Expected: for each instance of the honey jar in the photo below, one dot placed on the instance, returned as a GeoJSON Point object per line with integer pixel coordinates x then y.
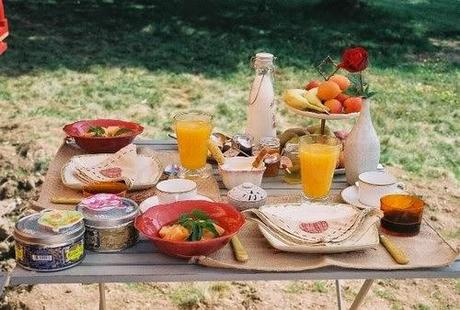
{"type": "Point", "coordinates": [272, 160]}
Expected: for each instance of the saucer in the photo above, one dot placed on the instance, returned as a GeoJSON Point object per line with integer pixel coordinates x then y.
{"type": "Point", "coordinates": [351, 196]}
{"type": "Point", "coordinates": [153, 201]}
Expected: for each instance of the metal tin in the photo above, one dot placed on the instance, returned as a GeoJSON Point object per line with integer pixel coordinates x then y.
{"type": "Point", "coordinates": [40, 249]}
{"type": "Point", "coordinates": [111, 230]}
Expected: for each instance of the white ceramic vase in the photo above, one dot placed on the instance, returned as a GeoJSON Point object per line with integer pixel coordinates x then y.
{"type": "Point", "coordinates": [362, 146]}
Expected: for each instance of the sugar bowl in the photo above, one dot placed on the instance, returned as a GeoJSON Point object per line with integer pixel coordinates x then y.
{"type": "Point", "coordinates": [246, 196]}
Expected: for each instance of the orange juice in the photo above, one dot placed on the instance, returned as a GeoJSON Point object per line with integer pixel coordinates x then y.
{"type": "Point", "coordinates": [192, 140]}
{"type": "Point", "coordinates": [317, 162]}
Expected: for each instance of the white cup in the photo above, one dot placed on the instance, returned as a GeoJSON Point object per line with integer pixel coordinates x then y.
{"type": "Point", "coordinates": [373, 185]}
{"type": "Point", "coordinates": [175, 190]}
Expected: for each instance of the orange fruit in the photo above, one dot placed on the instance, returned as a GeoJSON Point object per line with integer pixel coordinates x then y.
{"type": "Point", "coordinates": [328, 90]}
{"type": "Point", "coordinates": [341, 80]}
{"type": "Point", "coordinates": [353, 104]}
{"type": "Point", "coordinates": [334, 106]}
{"type": "Point", "coordinates": [312, 84]}
{"type": "Point", "coordinates": [342, 97]}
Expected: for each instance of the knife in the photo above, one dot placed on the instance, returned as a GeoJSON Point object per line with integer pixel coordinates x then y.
{"type": "Point", "coordinates": [238, 250]}
{"type": "Point", "coordinates": [398, 255]}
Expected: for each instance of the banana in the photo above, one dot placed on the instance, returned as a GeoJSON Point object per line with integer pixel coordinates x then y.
{"type": "Point", "coordinates": [295, 98]}
{"type": "Point", "coordinates": [310, 95]}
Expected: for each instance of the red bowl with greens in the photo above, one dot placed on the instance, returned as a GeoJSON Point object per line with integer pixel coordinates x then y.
{"type": "Point", "coordinates": [103, 135]}
{"type": "Point", "coordinates": [223, 214]}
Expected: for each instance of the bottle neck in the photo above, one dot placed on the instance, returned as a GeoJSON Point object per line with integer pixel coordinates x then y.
{"type": "Point", "coordinates": [263, 65]}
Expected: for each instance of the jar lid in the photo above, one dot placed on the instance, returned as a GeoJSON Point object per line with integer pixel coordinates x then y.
{"type": "Point", "coordinates": [263, 60]}
{"type": "Point", "coordinates": [264, 56]}
{"type": "Point", "coordinates": [109, 217]}
{"type": "Point", "coordinates": [247, 192]}
{"type": "Point", "coordinates": [101, 202]}
{"type": "Point", "coordinates": [291, 147]}
{"type": "Point", "coordinates": [377, 177]}
{"type": "Point", "coordinates": [243, 140]}
{"type": "Point", "coordinates": [28, 229]}
{"type": "Point", "coordinates": [273, 142]}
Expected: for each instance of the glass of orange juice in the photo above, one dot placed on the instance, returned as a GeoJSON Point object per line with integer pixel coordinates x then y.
{"type": "Point", "coordinates": [193, 130]}
{"type": "Point", "coordinates": [318, 156]}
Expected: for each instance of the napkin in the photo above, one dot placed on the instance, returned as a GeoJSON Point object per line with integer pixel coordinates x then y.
{"type": "Point", "coordinates": [120, 166]}
{"type": "Point", "coordinates": [311, 223]}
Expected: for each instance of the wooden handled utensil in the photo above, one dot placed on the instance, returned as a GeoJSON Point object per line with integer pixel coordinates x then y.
{"type": "Point", "coordinates": [240, 252]}
{"type": "Point", "coordinates": [398, 255]}
{"type": "Point", "coordinates": [65, 200]}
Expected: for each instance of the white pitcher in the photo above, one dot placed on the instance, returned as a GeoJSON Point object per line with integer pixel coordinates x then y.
{"type": "Point", "coordinates": [362, 146]}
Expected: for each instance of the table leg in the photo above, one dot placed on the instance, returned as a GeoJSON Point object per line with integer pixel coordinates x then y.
{"type": "Point", "coordinates": [5, 283]}
{"type": "Point", "coordinates": [338, 290]}
{"type": "Point", "coordinates": [323, 126]}
{"type": "Point", "coordinates": [361, 294]}
{"type": "Point", "coordinates": [102, 304]}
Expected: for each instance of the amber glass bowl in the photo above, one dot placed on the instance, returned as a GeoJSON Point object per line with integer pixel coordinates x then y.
{"type": "Point", "coordinates": [402, 214]}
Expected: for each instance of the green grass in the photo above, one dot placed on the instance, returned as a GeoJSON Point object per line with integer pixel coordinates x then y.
{"type": "Point", "coordinates": [221, 288]}
{"type": "Point", "coordinates": [384, 294]}
{"type": "Point", "coordinates": [422, 307]}
{"type": "Point", "coordinates": [319, 287]}
{"type": "Point", "coordinates": [457, 287]}
{"type": "Point", "coordinates": [295, 287]}
{"type": "Point", "coordinates": [187, 296]}
{"type": "Point", "coordinates": [145, 60]}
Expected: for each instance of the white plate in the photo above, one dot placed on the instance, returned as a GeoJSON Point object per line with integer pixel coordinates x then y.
{"type": "Point", "coordinates": [153, 201]}
{"type": "Point", "coordinates": [351, 196]}
{"type": "Point", "coordinates": [148, 171]}
{"type": "Point", "coordinates": [369, 239]}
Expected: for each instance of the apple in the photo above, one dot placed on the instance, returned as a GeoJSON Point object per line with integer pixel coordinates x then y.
{"type": "Point", "coordinates": [352, 104]}
{"type": "Point", "coordinates": [312, 84]}
{"type": "Point", "coordinates": [334, 106]}
{"type": "Point", "coordinates": [342, 97]}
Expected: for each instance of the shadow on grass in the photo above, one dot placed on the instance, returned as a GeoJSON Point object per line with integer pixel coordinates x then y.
{"type": "Point", "coordinates": [212, 37]}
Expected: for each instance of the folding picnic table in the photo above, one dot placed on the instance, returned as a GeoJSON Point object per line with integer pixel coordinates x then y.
{"type": "Point", "coordinates": [143, 263]}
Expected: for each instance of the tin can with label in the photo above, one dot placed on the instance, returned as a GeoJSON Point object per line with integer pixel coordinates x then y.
{"type": "Point", "coordinates": [109, 224]}
{"type": "Point", "coordinates": [41, 249]}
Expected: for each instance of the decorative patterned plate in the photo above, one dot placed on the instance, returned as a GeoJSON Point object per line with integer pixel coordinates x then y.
{"type": "Point", "coordinates": [368, 239]}
{"type": "Point", "coordinates": [317, 218]}
{"type": "Point", "coordinates": [148, 171]}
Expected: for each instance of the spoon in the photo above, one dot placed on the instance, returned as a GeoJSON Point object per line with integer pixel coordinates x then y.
{"type": "Point", "coordinates": [171, 171]}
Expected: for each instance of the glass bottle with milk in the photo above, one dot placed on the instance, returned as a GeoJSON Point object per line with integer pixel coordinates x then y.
{"type": "Point", "coordinates": [261, 108]}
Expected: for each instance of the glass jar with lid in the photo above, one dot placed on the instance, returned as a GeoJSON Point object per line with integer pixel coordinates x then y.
{"type": "Point", "coordinates": [292, 175]}
{"type": "Point", "coordinates": [273, 157]}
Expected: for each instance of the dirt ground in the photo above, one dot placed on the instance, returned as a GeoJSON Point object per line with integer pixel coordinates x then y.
{"type": "Point", "coordinates": [23, 163]}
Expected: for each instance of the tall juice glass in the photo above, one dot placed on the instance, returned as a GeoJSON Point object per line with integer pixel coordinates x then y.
{"type": "Point", "coordinates": [318, 156]}
{"type": "Point", "coordinates": [193, 130]}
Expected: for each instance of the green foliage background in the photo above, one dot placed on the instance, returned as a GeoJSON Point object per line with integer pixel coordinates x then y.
{"type": "Point", "coordinates": [145, 60]}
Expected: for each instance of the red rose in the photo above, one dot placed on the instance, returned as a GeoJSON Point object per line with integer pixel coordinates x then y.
{"type": "Point", "coordinates": [354, 59]}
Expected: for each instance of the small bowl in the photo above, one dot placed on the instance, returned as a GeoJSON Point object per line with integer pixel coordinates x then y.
{"type": "Point", "coordinates": [226, 216]}
{"type": "Point", "coordinates": [101, 144]}
{"type": "Point", "coordinates": [239, 170]}
{"type": "Point", "coordinates": [247, 196]}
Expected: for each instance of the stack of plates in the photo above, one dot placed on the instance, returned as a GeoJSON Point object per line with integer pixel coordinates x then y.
{"type": "Point", "coordinates": [317, 227]}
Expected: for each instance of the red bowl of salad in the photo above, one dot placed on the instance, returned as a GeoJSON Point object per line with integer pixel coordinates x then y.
{"type": "Point", "coordinates": [103, 135]}
{"type": "Point", "coordinates": [190, 228]}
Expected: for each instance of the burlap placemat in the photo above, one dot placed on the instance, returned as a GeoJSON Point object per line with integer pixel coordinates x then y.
{"type": "Point", "coordinates": [427, 249]}
{"type": "Point", "coordinates": [53, 187]}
